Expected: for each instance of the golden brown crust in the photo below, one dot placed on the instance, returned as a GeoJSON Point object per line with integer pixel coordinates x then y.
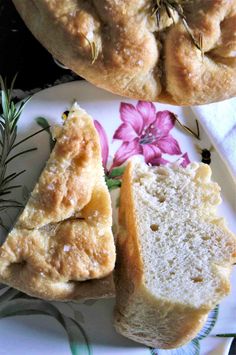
{"type": "Point", "coordinates": [135, 57]}
{"type": "Point", "coordinates": [192, 78]}
{"type": "Point", "coordinates": [63, 236]}
{"type": "Point", "coordinates": [61, 190]}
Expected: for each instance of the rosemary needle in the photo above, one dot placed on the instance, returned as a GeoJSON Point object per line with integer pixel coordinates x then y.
{"type": "Point", "coordinates": [171, 6]}
{"type": "Point", "coordinates": [93, 48]}
{"type": "Point", "coordinates": [189, 130]}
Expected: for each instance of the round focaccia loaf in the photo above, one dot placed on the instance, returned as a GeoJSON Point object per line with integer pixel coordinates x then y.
{"type": "Point", "coordinates": [119, 45]}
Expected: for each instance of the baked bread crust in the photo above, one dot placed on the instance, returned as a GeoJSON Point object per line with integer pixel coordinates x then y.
{"type": "Point", "coordinates": [160, 322]}
{"type": "Point", "coordinates": [64, 236]}
{"type": "Point", "coordinates": [136, 58]}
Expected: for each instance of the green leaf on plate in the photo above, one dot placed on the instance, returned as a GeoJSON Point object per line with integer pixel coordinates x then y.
{"type": "Point", "coordinates": [79, 343]}
{"type": "Point", "coordinates": [112, 183]}
{"type": "Point", "coordinates": [42, 122]}
{"type": "Point", "coordinates": [229, 335]}
{"type": "Point", "coordinates": [116, 172]}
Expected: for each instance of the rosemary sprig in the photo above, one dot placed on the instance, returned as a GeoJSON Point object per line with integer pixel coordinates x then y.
{"type": "Point", "coordinates": [93, 48]}
{"type": "Point", "coordinates": [171, 6]}
{"type": "Point", "coordinates": [189, 130]}
{"type": "Point", "coordinates": [9, 117]}
{"type": "Point", "coordinates": [8, 132]}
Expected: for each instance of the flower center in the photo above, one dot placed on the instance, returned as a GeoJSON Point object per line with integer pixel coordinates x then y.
{"type": "Point", "coordinates": [149, 135]}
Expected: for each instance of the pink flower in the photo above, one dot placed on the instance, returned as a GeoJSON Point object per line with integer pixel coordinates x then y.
{"type": "Point", "coordinates": [159, 161]}
{"type": "Point", "coordinates": [145, 131]}
{"type": "Point", "coordinates": [103, 142]}
{"type": "Point", "coordinates": [182, 161]}
{"type": "Point", "coordinates": [185, 160]}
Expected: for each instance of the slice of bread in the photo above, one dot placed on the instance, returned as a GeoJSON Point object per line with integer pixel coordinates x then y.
{"type": "Point", "coordinates": [174, 253]}
{"type": "Point", "coordinates": [63, 237]}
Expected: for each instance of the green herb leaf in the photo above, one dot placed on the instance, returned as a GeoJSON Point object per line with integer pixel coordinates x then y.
{"type": "Point", "coordinates": [116, 172]}
{"type": "Point", "coordinates": [112, 183]}
{"type": "Point", "coordinates": [42, 122]}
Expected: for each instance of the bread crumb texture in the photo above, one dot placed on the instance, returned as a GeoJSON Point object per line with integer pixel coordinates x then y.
{"type": "Point", "coordinates": [175, 253]}
{"type": "Point", "coordinates": [63, 235]}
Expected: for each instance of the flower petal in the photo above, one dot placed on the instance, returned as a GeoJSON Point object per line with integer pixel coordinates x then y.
{"type": "Point", "coordinates": [126, 150]}
{"type": "Point", "coordinates": [169, 145]}
{"type": "Point", "coordinates": [148, 112]}
{"type": "Point", "coordinates": [150, 151]}
{"type": "Point", "coordinates": [185, 160]}
{"type": "Point", "coordinates": [125, 132]}
{"type": "Point", "coordinates": [159, 161]}
{"type": "Point", "coordinates": [129, 114]}
{"type": "Point", "coordinates": [103, 142]}
{"type": "Point", "coordinates": [165, 121]}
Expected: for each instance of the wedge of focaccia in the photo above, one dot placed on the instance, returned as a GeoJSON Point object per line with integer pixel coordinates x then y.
{"type": "Point", "coordinates": [62, 246]}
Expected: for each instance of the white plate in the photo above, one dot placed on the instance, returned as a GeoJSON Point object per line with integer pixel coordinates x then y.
{"type": "Point", "coordinates": [39, 334]}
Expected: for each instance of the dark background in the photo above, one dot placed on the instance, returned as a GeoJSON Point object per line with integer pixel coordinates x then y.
{"type": "Point", "coordinates": [21, 53]}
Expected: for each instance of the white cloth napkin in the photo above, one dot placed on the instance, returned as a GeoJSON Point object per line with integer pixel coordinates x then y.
{"type": "Point", "coordinates": [219, 121]}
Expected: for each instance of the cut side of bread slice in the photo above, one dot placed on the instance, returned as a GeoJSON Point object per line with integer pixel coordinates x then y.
{"type": "Point", "coordinates": [174, 253]}
{"type": "Point", "coordinates": [63, 238]}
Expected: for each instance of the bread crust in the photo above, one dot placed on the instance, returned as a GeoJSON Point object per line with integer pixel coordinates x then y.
{"type": "Point", "coordinates": [136, 58]}
{"type": "Point", "coordinates": [63, 237]}
{"type": "Point", "coordinates": [139, 315]}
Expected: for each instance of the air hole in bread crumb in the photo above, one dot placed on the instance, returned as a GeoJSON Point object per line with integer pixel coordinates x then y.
{"type": "Point", "coordinates": [162, 199]}
{"type": "Point", "coordinates": [170, 262]}
{"type": "Point", "coordinates": [154, 227]}
{"type": "Point", "coordinates": [197, 279]}
{"type": "Point", "coordinates": [205, 238]}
